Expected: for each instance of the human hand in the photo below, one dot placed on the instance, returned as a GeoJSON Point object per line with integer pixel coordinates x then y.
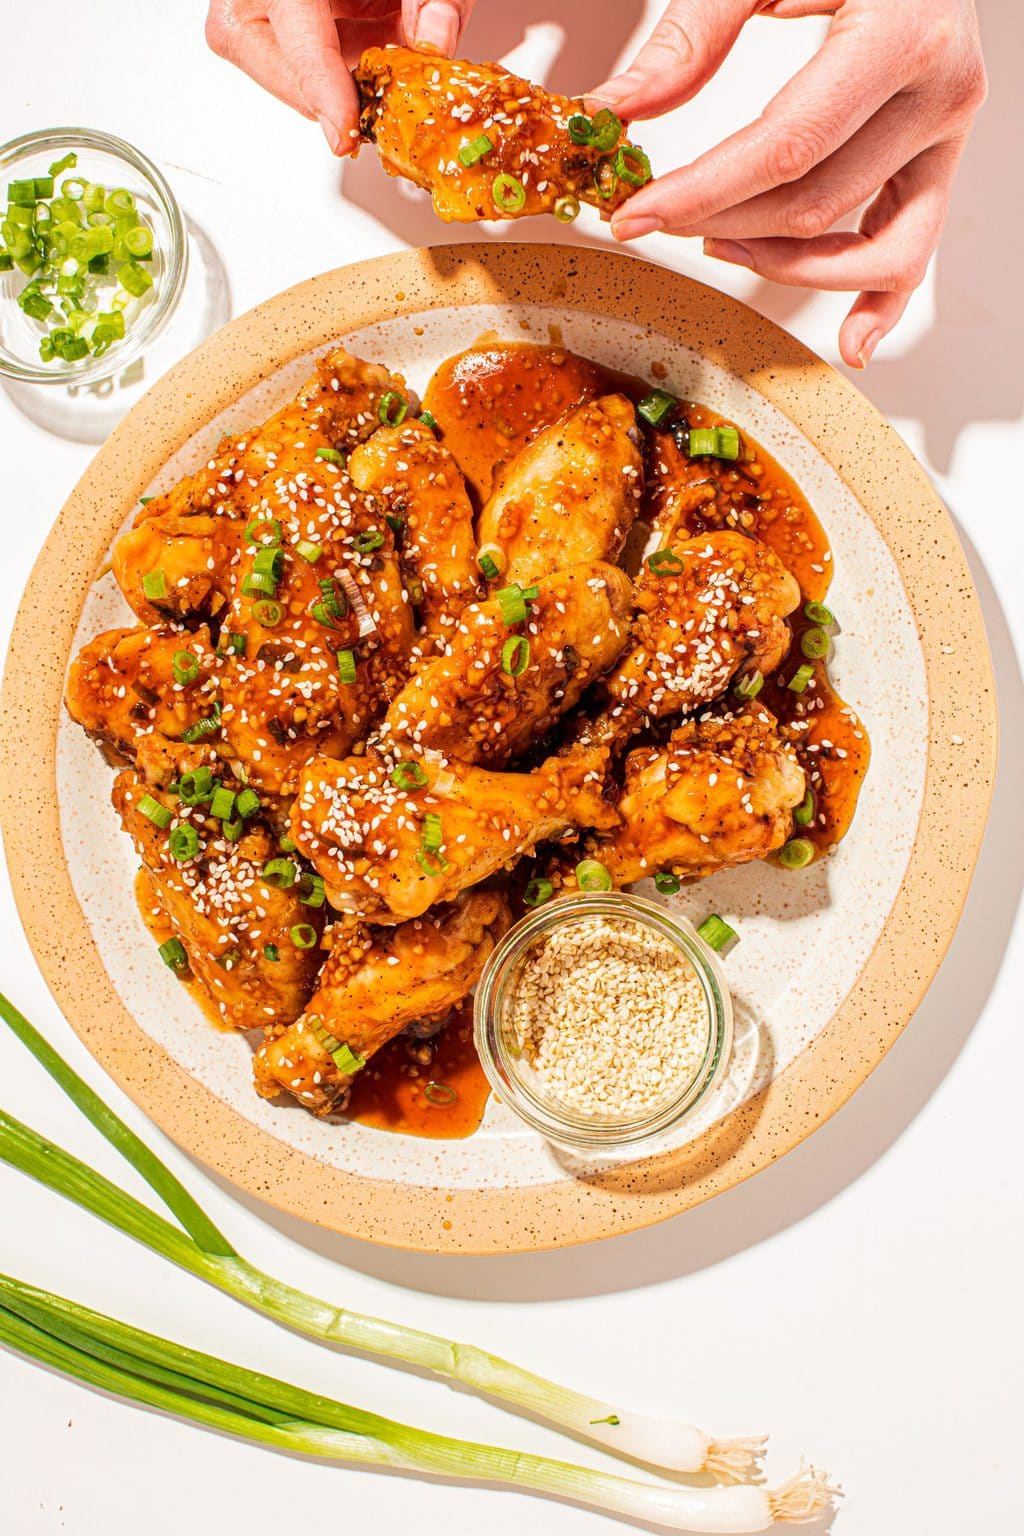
{"type": "Point", "coordinates": [300, 50]}
{"type": "Point", "coordinates": [882, 112]}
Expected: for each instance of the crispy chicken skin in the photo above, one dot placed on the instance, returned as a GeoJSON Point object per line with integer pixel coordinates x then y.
{"type": "Point", "coordinates": [122, 689]}
{"type": "Point", "coordinates": [420, 110]}
{"type": "Point", "coordinates": [377, 981]}
{"type": "Point", "coordinates": [414, 481]}
{"type": "Point", "coordinates": [721, 605]}
{"type": "Point", "coordinates": [721, 793]}
{"type": "Point", "coordinates": [365, 835]}
{"type": "Point", "coordinates": [570, 495]}
{"type": "Point", "coordinates": [194, 532]}
{"type": "Point", "coordinates": [224, 912]}
{"type": "Point", "coordinates": [468, 705]}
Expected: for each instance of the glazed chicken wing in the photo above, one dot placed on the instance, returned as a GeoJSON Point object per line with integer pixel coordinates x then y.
{"type": "Point", "coordinates": [721, 793]}
{"type": "Point", "coordinates": [488, 145]}
{"type": "Point", "coordinates": [416, 483]}
{"type": "Point", "coordinates": [237, 929]}
{"type": "Point", "coordinates": [375, 983]}
{"type": "Point", "coordinates": [130, 685]}
{"type": "Point", "coordinates": [391, 836]}
{"type": "Point", "coordinates": [185, 541]}
{"type": "Point", "coordinates": [499, 687]}
{"type": "Point", "coordinates": [570, 495]}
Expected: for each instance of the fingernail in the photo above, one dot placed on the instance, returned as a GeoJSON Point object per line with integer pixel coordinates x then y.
{"type": "Point", "coordinates": [437, 27]}
{"type": "Point", "coordinates": [868, 346]}
{"type": "Point", "coordinates": [611, 93]}
{"type": "Point", "coordinates": [633, 229]}
{"type": "Point", "coordinates": [729, 250]}
{"type": "Point", "coordinates": [332, 135]}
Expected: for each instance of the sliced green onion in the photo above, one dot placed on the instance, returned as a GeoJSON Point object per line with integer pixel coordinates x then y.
{"type": "Point", "coordinates": [819, 614]}
{"type": "Point", "coordinates": [134, 279]}
{"type": "Point", "coordinates": [715, 932]}
{"type": "Point", "coordinates": [512, 601]}
{"type": "Point", "coordinates": [269, 561]}
{"type": "Point", "coordinates": [346, 667]}
{"type": "Point", "coordinates": [229, 959]}
{"type": "Point", "coordinates": [309, 552]}
{"type": "Point", "coordinates": [183, 843]}
{"type": "Point", "coordinates": [35, 304]}
{"type": "Point", "coordinates": [605, 129]}
{"type": "Point", "coordinates": [366, 543]}
{"type": "Point", "coordinates": [247, 804]}
{"type": "Point", "coordinates": [197, 786]}
{"type": "Point", "coordinates": [801, 677]}
{"type": "Point", "coordinates": [311, 891]}
{"type": "Point", "coordinates": [222, 804]}
{"type": "Point", "coordinates": [530, 593]}
{"type": "Point", "coordinates": [592, 875]}
{"type": "Point", "coordinates": [665, 562]}
{"type": "Point", "coordinates": [605, 179]}
{"type": "Point", "coordinates": [392, 408]}
{"type": "Point", "coordinates": [797, 853]}
{"type": "Point", "coordinates": [286, 844]}
{"type": "Point", "coordinates": [803, 814]}
{"type": "Point", "coordinates": [728, 443]}
{"type": "Point", "coordinates": [488, 567]}
{"type": "Point", "coordinates": [264, 530]}
{"type": "Point", "coordinates": [22, 193]}
{"type": "Point", "coordinates": [185, 666]}
{"type": "Point", "coordinates": [204, 727]}
{"type": "Point", "coordinates": [440, 1094]}
{"type": "Point", "coordinates": [67, 163]}
{"type": "Point", "coordinates": [749, 685]}
{"type": "Point", "coordinates": [567, 208]}
{"type": "Point", "coordinates": [656, 405]}
{"type": "Point", "coordinates": [138, 242]}
{"type": "Point", "coordinates": [538, 892]}
{"type": "Point", "coordinates": [469, 154]}
{"type": "Point", "coordinates": [331, 456]}
{"type": "Point", "coordinates": [7, 265]}
{"type": "Point", "coordinates": [233, 830]}
{"type": "Point", "coordinates": [302, 935]}
{"type": "Point", "coordinates": [432, 864]}
{"type": "Point", "coordinates": [320, 613]}
{"type": "Point", "coordinates": [158, 814]}
{"type": "Point", "coordinates": [271, 952]}
{"type": "Point", "coordinates": [172, 953]}
{"type": "Point", "coordinates": [258, 584]}
{"type": "Point", "coordinates": [394, 522]}
{"type": "Point", "coordinates": [666, 882]}
{"type": "Point", "coordinates": [408, 775]}
{"type": "Point", "coordinates": [267, 613]}
{"type": "Point", "coordinates": [508, 193]}
{"type": "Point", "coordinates": [345, 1058]}
{"type": "Point", "coordinates": [433, 834]}
{"type": "Point", "coordinates": [632, 165]}
{"type": "Point", "coordinates": [714, 442]}
{"type": "Point", "coordinates": [429, 420]}
{"type": "Point", "coordinates": [154, 585]}
{"type": "Point", "coordinates": [814, 643]}
{"type": "Point", "coordinates": [515, 656]}
{"type": "Point", "coordinates": [578, 128]}
{"type": "Point", "coordinates": [280, 873]}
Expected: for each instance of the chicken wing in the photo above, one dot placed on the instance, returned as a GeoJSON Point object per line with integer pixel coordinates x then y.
{"type": "Point", "coordinates": [417, 484]}
{"type": "Point", "coordinates": [374, 984]}
{"type": "Point", "coordinates": [186, 540]}
{"type": "Point", "coordinates": [391, 838]}
{"type": "Point", "coordinates": [721, 793]}
{"type": "Point", "coordinates": [487, 699]}
{"type": "Point", "coordinates": [129, 685]}
{"type": "Point", "coordinates": [238, 930]}
{"type": "Point", "coordinates": [570, 495]}
{"type": "Point", "coordinates": [488, 145]}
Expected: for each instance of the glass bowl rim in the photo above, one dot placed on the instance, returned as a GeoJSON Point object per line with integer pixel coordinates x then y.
{"type": "Point", "coordinates": [176, 254]}
{"type": "Point", "coordinates": [560, 1124]}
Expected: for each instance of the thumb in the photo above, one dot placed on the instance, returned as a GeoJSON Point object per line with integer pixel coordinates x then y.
{"type": "Point", "coordinates": [435, 24]}
{"type": "Point", "coordinates": [682, 53]}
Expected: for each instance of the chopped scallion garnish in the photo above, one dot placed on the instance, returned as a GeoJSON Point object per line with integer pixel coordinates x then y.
{"type": "Point", "coordinates": [814, 643]}
{"type": "Point", "coordinates": [154, 585]}
{"type": "Point", "coordinates": [715, 932]}
{"type": "Point", "coordinates": [302, 935]}
{"type": "Point", "coordinates": [749, 685]}
{"type": "Point", "coordinates": [801, 677]}
{"type": "Point", "coordinates": [346, 666]}
{"type": "Point", "coordinates": [280, 873]}
{"type": "Point", "coordinates": [331, 456]}
{"type": "Point", "coordinates": [538, 891]}
{"type": "Point", "coordinates": [666, 882]}
{"type": "Point", "coordinates": [267, 613]}
{"type": "Point", "coordinates": [366, 543]}
{"type": "Point", "coordinates": [183, 843]}
{"type": "Point", "coordinates": [819, 614]}
{"type": "Point", "coordinates": [433, 834]}
{"type": "Point", "coordinates": [247, 804]}
{"type": "Point", "coordinates": [797, 853]}
{"type": "Point", "coordinates": [567, 208]}
{"type": "Point", "coordinates": [158, 814]}
{"type": "Point", "coordinates": [469, 154]}
{"type": "Point", "coordinates": [172, 953]}
{"type": "Point", "coordinates": [605, 129]}
{"type": "Point", "coordinates": [408, 775]}
{"type": "Point", "coordinates": [509, 194]}
{"type": "Point", "coordinates": [392, 408]}
{"type": "Point", "coordinates": [656, 405]}
{"type": "Point", "coordinates": [632, 165]}
{"type": "Point", "coordinates": [515, 656]}
{"type": "Point", "coordinates": [222, 804]}
{"type": "Point", "coordinates": [311, 890]}
{"type": "Point", "coordinates": [592, 875]}
{"type": "Point", "coordinates": [665, 562]}
{"type": "Point", "coordinates": [803, 814]}
{"type": "Point", "coordinates": [185, 666]}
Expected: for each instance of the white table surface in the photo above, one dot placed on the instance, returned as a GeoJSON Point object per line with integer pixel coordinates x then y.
{"type": "Point", "coordinates": [861, 1298]}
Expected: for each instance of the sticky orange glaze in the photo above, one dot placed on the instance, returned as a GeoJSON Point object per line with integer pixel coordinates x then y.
{"type": "Point", "coordinates": [161, 929]}
{"type": "Point", "coordinates": [391, 1092]}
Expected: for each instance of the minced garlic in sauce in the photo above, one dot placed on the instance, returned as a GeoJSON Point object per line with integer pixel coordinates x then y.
{"type": "Point", "coordinates": [612, 1018]}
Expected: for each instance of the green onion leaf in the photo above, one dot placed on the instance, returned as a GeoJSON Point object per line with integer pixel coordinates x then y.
{"type": "Point", "coordinates": [134, 279]}
{"type": "Point", "coordinates": [185, 666]}
{"type": "Point", "coordinates": [819, 614]}
{"type": "Point", "coordinates": [233, 830]}
{"type": "Point", "coordinates": [665, 562]}
{"type": "Point", "coordinates": [280, 873]}
{"type": "Point", "coordinates": [269, 561]}
{"type": "Point", "coordinates": [515, 656]}
{"type": "Point", "coordinates": [271, 952]}
{"type": "Point", "coordinates": [172, 953]}
{"type": "Point", "coordinates": [68, 163]}
{"type": "Point", "coordinates": [311, 890]}
{"type": "Point", "coordinates": [632, 165]}
{"type": "Point", "coordinates": [797, 853]}
{"type": "Point", "coordinates": [469, 154]}
{"type": "Point", "coordinates": [267, 613]}
{"type": "Point", "coordinates": [429, 420]}
{"type": "Point", "coordinates": [154, 585]}
{"type": "Point", "coordinates": [433, 834]}
{"type": "Point", "coordinates": [432, 864]}
{"type": "Point", "coordinates": [204, 727]}
{"type": "Point", "coordinates": [605, 179]}
{"type": "Point", "coordinates": [263, 530]}
{"type": "Point", "coordinates": [366, 543]}
{"type": "Point", "coordinates": [408, 775]}
{"type": "Point", "coordinates": [488, 567]}
{"type": "Point", "coordinates": [512, 601]}
{"type": "Point", "coordinates": [567, 208]}
{"type": "Point", "coordinates": [814, 643]}
{"type": "Point", "coordinates": [332, 456]}
{"type": "Point", "coordinates": [392, 408]}
{"type": "Point", "coordinates": [579, 128]}
{"type": "Point", "coordinates": [183, 843]}
{"type": "Point", "coordinates": [803, 814]}
{"type": "Point", "coordinates": [538, 892]}
{"type": "Point", "coordinates": [715, 932]}
{"type": "Point", "coordinates": [749, 685]}
{"type": "Point", "coordinates": [656, 405]}
{"type": "Point", "coordinates": [346, 666]}
{"type": "Point", "coordinates": [592, 875]}
{"type": "Point", "coordinates": [158, 814]}
{"type": "Point", "coordinates": [605, 129]}
{"type": "Point", "coordinates": [302, 935]}
{"type": "Point", "coordinates": [195, 787]}
{"type": "Point", "coordinates": [666, 882]}
{"type": "Point", "coordinates": [702, 441]}
{"type": "Point", "coordinates": [222, 804]}
{"type": "Point", "coordinates": [247, 804]}
{"type": "Point", "coordinates": [309, 552]}
{"type": "Point", "coordinates": [508, 193]}
{"type": "Point", "coordinates": [801, 677]}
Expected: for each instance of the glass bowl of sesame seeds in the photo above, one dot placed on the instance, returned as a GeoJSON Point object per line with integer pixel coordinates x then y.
{"type": "Point", "coordinates": [603, 1020]}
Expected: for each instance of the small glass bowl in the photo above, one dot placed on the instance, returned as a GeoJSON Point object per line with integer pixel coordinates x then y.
{"type": "Point", "coordinates": [518, 1085]}
{"type": "Point", "coordinates": [111, 161]}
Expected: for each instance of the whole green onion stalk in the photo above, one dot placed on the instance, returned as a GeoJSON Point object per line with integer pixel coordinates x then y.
{"type": "Point", "coordinates": [146, 1368]}
{"type": "Point", "coordinates": [203, 1249]}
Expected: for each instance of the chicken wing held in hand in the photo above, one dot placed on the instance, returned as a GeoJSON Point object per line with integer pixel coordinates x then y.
{"type": "Point", "coordinates": [486, 144]}
{"type": "Point", "coordinates": [572, 494]}
{"type": "Point", "coordinates": [375, 982]}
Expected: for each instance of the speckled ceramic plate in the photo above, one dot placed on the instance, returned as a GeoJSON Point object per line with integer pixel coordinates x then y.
{"type": "Point", "coordinates": [833, 960]}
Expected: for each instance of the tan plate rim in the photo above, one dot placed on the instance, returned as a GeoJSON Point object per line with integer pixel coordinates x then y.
{"type": "Point", "coordinates": [880, 471]}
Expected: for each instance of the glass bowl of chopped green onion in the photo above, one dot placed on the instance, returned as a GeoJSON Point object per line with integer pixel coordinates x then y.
{"type": "Point", "coordinates": [93, 256]}
{"type": "Point", "coordinates": [603, 1021]}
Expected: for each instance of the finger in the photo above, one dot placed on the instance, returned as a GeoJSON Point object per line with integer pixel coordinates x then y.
{"type": "Point", "coordinates": [889, 253]}
{"type": "Point", "coordinates": [436, 25]}
{"type": "Point", "coordinates": [682, 53]}
{"type": "Point", "coordinates": [854, 73]}
{"type": "Point", "coordinates": [904, 128]}
{"type": "Point", "coordinates": [252, 47]}
{"type": "Point", "coordinates": [308, 39]}
{"type": "Point", "coordinates": [873, 316]}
